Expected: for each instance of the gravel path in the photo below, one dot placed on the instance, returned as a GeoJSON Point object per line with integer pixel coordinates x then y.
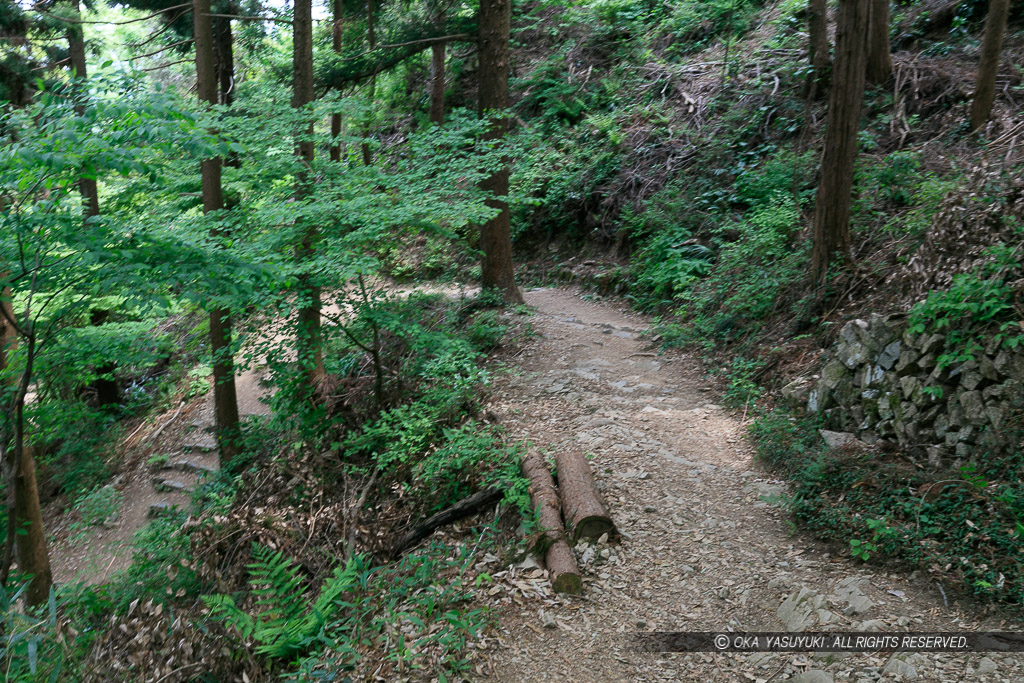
{"type": "Point", "coordinates": [703, 546]}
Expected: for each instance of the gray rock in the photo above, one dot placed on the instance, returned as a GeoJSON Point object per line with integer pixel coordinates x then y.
{"type": "Point", "coordinates": [931, 344]}
{"type": "Point", "coordinates": [161, 509]}
{"type": "Point", "coordinates": [852, 354]}
{"type": "Point", "coordinates": [169, 485]}
{"type": "Point", "coordinates": [986, 667]}
{"type": "Point", "coordinates": [798, 611]}
{"type": "Point", "coordinates": [872, 625]}
{"type": "Point", "coordinates": [996, 414]}
{"type": "Point", "coordinates": [840, 439]}
{"type": "Point", "coordinates": [907, 364]}
{"type": "Point", "coordinates": [974, 407]}
{"type": "Point", "coordinates": [833, 374]}
{"type": "Point", "coordinates": [936, 455]}
{"type": "Point", "coordinates": [547, 620]}
{"type": "Point", "coordinates": [909, 385]}
{"type": "Point", "coordinates": [1001, 363]}
{"type": "Point", "coordinates": [898, 666]}
{"type": "Point", "coordinates": [813, 676]}
{"type": "Point", "coordinates": [854, 331]}
{"type": "Point", "coordinates": [890, 355]}
{"type": "Point", "coordinates": [849, 590]}
{"type": "Point", "coordinates": [988, 369]}
{"type": "Point", "coordinates": [815, 399]}
{"type": "Point", "coordinates": [797, 391]}
{"type": "Point", "coordinates": [971, 380]}
{"type": "Point", "coordinates": [994, 392]}
{"type": "Point", "coordinates": [200, 446]}
{"type": "Point", "coordinates": [192, 466]}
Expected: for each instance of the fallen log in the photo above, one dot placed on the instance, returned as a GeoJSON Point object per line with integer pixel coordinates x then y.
{"type": "Point", "coordinates": [464, 508]}
{"type": "Point", "coordinates": [563, 571]}
{"type": "Point", "coordinates": [585, 513]}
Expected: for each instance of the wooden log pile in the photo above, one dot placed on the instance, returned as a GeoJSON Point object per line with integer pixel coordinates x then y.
{"type": "Point", "coordinates": [580, 501]}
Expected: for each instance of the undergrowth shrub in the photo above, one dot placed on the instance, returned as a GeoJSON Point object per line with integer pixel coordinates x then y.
{"type": "Point", "coordinates": [749, 277]}
{"type": "Point", "coordinates": [693, 24]}
{"type": "Point", "coordinates": [71, 441]}
{"type": "Point", "coordinates": [80, 356]}
{"type": "Point", "coordinates": [405, 608]}
{"type": "Point", "coordinates": [963, 526]}
{"type": "Point", "coordinates": [977, 309]}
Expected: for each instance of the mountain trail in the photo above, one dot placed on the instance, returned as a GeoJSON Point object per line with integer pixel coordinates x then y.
{"type": "Point", "coordinates": [705, 545]}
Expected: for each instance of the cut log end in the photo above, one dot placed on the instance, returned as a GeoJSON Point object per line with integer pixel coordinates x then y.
{"type": "Point", "coordinates": [563, 571]}
{"type": "Point", "coordinates": [585, 511]}
{"type": "Point", "coordinates": [593, 527]}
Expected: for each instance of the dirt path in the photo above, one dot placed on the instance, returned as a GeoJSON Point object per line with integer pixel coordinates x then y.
{"type": "Point", "coordinates": [163, 466]}
{"type": "Point", "coordinates": [701, 549]}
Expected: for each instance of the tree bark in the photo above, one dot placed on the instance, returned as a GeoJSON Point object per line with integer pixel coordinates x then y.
{"type": "Point", "coordinates": [371, 38]}
{"type": "Point", "coordinates": [817, 26]}
{"type": "Point", "coordinates": [224, 58]}
{"type": "Point", "coordinates": [225, 399]}
{"type": "Point", "coordinates": [879, 51]}
{"type": "Point", "coordinates": [437, 83]}
{"type": "Point", "coordinates": [991, 47]}
{"type": "Point", "coordinates": [492, 77]}
{"type": "Point", "coordinates": [25, 519]}
{"type": "Point", "coordinates": [308, 346]}
{"type": "Point", "coordinates": [563, 571]}
{"type": "Point", "coordinates": [336, 35]}
{"type": "Point", "coordinates": [832, 204]}
{"type": "Point", "coordinates": [585, 513]}
{"type": "Point", "coordinates": [76, 56]}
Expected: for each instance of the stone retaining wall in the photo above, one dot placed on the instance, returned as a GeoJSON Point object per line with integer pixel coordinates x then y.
{"type": "Point", "coordinates": [880, 382]}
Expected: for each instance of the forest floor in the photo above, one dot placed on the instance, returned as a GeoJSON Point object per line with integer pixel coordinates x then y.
{"type": "Point", "coordinates": [703, 545]}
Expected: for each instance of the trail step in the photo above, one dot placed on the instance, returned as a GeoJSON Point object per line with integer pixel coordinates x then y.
{"type": "Point", "coordinates": [191, 466]}
{"type": "Point", "coordinates": [200, 446]}
{"type": "Point", "coordinates": [171, 485]}
{"type": "Point", "coordinates": [162, 509]}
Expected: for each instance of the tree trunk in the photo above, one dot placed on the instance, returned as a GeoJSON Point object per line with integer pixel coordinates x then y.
{"type": "Point", "coordinates": [371, 38]}
{"type": "Point", "coordinates": [991, 47]}
{"type": "Point", "coordinates": [492, 77]}
{"type": "Point", "coordinates": [563, 571]}
{"type": "Point", "coordinates": [817, 26]}
{"type": "Point", "coordinates": [307, 344]}
{"type": "Point", "coordinates": [585, 513]}
{"type": "Point", "coordinates": [225, 399]}
{"type": "Point", "coordinates": [24, 514]}
{"type": "Point", "coordinates": [76, 56]}
{"type": "Point", "coordinates": [336, 35]}
{"type": "Point", "coordinates": [832, 204]}
{"type": "Point", "coordinates": [437, 83]}
{"type": "Point", "coordinates": [224, 57]}
{"type": "Point", "coordinates": [879, 51]}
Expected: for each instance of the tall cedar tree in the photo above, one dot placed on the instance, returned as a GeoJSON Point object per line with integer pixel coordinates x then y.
{"type": "Point", "coordinates": [371, 38]}
{"type": "Point", "coordinates": [76, 57]}
{"type": "Point", "coordinates": [991, 47]}
{"type": "Point", "coordinates": [817, 29]}
{"type": "Point", "coordinates": [24, 514]}
{"type": "Point", "coordinates": [310, 354]}
{"type": "Point", "coordinates": [492, 77]}
{"type": "Point", "coordinates": [879, 50]}
{"type": "Point", "coordinates": [437, 51]}
{"type": "Point", "coordinates": [832, 205]}
{"type": "Point", "coordinates": [225, 399]}
{"type": "Point", "coordinates": [338, 10]}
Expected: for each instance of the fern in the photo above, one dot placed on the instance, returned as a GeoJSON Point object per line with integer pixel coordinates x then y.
{"type": "Point", "coordinates": [283, 624]}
